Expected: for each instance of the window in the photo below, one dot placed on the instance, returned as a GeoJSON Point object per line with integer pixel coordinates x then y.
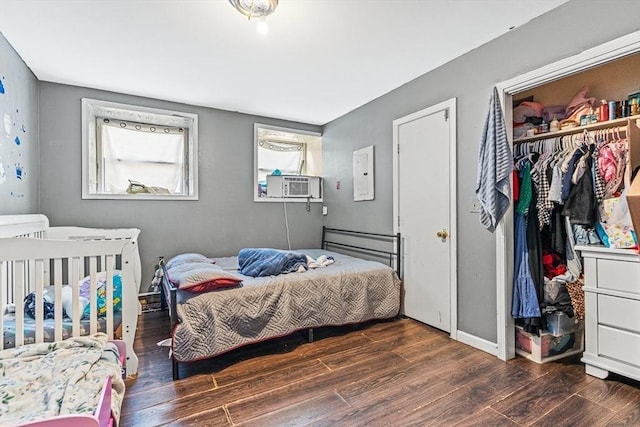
{"type": "Point", "coordinates": [136, 152]}
{"type": "Point", "coordinates": [282, 151]}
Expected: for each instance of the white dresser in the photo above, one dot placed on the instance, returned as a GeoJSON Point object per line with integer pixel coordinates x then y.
{"type": "Point", "coordinates": [612, 311]}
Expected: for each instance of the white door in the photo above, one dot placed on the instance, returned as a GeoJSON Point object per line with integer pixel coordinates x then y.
{"type": "Point", "coordinates": [424, 209]}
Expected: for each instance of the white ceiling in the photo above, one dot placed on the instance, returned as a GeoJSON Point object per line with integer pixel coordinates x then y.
{"type": "Point", "coordinates": [320, 60]}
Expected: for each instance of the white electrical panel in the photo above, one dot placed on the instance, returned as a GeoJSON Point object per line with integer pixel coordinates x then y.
{"type": "Point", "coordinates": [363, 174]}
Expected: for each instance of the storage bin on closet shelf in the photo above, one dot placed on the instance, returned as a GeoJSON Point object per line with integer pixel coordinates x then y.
{"type": "Point", "coordinates": [629, 125]}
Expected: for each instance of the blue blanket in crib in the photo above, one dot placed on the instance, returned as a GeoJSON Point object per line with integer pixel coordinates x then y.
{"type": "Point", "coordinates": [258, 262]}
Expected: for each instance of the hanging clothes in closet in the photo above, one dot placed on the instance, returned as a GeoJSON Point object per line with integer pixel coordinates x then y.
{"type": "Point", "coordinates": [526, 290]}
{"type": "Point", "coordinates": [559, 185]}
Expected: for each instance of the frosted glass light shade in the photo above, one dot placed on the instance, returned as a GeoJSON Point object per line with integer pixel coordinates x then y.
{"type": "Point", "coordinates": [255, 8]}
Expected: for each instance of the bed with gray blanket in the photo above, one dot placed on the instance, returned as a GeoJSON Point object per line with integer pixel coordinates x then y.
{"type": "Point", "coordinates": [341, 289]}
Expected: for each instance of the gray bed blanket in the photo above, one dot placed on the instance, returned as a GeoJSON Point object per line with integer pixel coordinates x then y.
{"type": "Point", "coordinates": [351, 290]}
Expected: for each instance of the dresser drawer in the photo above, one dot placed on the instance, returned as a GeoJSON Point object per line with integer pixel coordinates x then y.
{"type": "Point", "coordinates": [619, 275]}
{"type": "Point", "coordinates": [619, 345]}
{"type": "Point", "coordinates": [619, 312]}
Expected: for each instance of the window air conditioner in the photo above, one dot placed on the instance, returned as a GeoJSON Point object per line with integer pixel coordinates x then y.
{"type": "Point", "coordinates": [286, 186]}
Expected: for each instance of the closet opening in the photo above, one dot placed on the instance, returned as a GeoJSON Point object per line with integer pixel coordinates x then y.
{"type": "Point", "coordinates": [606, 72]}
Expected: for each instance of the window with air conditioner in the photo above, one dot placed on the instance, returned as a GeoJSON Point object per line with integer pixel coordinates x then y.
{"type": "Point", "coordinates": [288, 164]}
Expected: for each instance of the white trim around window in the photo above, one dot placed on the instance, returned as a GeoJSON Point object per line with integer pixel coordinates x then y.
{"type": "Point", "coordinates": [165, 161]}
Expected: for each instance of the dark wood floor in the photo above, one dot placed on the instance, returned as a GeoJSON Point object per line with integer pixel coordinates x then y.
{"type": "Point", "coordinates": [391, 373]}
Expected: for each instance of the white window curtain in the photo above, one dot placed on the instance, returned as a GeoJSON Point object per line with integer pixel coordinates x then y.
{"type": "Point", "coordinates": [288, 158]}
{"type": "Point", "coordinates": [153, 156]}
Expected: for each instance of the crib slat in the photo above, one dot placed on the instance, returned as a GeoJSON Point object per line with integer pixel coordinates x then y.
{"type": "Point", "coordinates": [76, 313]}
{"type": "Point", "coordinates": [94, 294]}
{"type": "Point", "coordinates": [93, 269]}
{"type": "Point", "coordinates": [38, 266]}
{"type": "Point", "coordinates": [11, 293]}
{"type": "Point", "coordinates": [19, 285]}
{"type": "Point", "coordinates": [109, 296]}
{"type": "Point", "coordinates": [57, 273]}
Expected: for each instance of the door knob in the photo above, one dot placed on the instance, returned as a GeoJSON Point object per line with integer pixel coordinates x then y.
{"type": "Point", "coordinates": [442, 234]}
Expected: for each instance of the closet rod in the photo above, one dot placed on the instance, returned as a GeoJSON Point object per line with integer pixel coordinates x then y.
{"type": "Point", "coordinates": [545, 137]}
{"type": "Point", "coordinates": [594, 126]}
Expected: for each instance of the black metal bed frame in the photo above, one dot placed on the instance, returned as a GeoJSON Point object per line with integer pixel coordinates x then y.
{"type": "Point", "coordinates": [391, 255]}
{"type": "Point", "coordinates": [394, 239]}
{"type": "Point", "coordinates": [172, 305]}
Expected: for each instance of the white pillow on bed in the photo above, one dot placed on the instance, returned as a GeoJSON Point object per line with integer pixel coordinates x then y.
{"type": "Point", "coordinates": [201, 277]}
{"type": "Point", "coordinates": [187, 259]}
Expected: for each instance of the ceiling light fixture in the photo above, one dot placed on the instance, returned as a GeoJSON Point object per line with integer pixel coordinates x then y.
{"type": "Point", "coordinates": [255, 8]}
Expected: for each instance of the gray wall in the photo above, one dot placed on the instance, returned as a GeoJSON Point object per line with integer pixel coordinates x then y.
{"type": "Point", "coordinates": [19, 160]}
{"type": "Point", "coordinates": [224, 220]}
{"type": "Point", "coordinates": [566, 31]}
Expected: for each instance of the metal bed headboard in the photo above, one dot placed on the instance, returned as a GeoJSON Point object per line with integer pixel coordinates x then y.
{"type": "Point", "coordinates": [394, 240]}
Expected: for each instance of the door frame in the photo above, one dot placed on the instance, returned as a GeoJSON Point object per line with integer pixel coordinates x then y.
{"type": "Point", "coordinates": [450, 106]}
{"type": "Point", "coordinates": [606, 52]}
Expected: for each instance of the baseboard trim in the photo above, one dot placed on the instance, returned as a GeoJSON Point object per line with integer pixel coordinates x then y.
{"type": "Point", "coordinates": [477, 342]}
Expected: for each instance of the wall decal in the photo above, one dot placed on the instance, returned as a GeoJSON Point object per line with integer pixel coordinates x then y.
{"type": "Point", "coordinates": [19, 171]}
{"type": "Point", "coordinates": [18, 118]}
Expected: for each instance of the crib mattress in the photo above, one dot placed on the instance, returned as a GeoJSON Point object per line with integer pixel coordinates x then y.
{"type": "Point", "coordinates": [9, 336]}
{"type": "Point", "coordinates": [352, 290]}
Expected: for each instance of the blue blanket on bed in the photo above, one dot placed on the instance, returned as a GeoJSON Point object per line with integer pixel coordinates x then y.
{"type": "Point", "coordinates": [258, 262]}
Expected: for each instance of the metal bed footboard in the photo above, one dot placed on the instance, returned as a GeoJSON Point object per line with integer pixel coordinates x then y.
{"type": "Point", "coordinates": [393, 255]}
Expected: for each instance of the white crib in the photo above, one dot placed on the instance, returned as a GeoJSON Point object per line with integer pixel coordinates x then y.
{"type": "Point", "coordinates": [35, 258]}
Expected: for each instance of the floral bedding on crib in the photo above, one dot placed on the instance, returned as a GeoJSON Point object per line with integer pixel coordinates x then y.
{"type": "Point", "coordinates": [40, 381]}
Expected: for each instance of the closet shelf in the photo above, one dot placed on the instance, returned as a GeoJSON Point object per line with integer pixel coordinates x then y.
{"type": "Point", "coordinates": [623, 121]}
